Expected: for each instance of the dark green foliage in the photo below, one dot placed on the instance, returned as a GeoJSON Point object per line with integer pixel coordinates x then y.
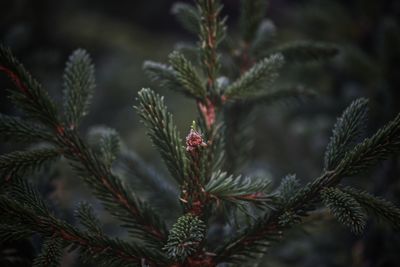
{"type": "Point", "coordinates": [51, 253]}
{"type": "Point", "coordinates": [206, 171]}
{"type": "Point", "coordinates": [29, 94]}
{"type": "Point", "coordinates": [256, 80]}
{"type": "Point", "coordinates": [237, 189]}
{"type": "Point", "coordinates": [166, 77]}
{"type": "Point", "coordinates": [163, 132]}
{"type": "Point", "coordinates": [186, 74]}
{"type": "Point", "coordinates": [79, 83]}
{"type": "Point", "coordinates": [376, 206]}
{"type": "Point", "coordinates": [380, 146]}
{"type": "Point", "coordinates": [345, 209]}
{"type": "Point", "coordinates": [21, 162]}
{"type": "Point", "coordinates": [106, 142]}
{"type": "Point", "coordinates": [185, 237]}
{"type": "Point", "coordinates": [346, 132]}
{"type": "Point", "coordinates": [16, 129]}
{"type": "Point", "coordinates": [88, 219]}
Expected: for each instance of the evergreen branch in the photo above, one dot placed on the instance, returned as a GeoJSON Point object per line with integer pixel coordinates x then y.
{"type": "Point", "coordinates": [212, 32]}
{"type": "Point", "coordinates": [252, 13]}
{"type": "Point", "coordinates": [237, 189]}
{"type": "Point", "coordinates": [186, 74]}
{"type": "Point", "coordinates": [163, 132]}
{"type": "Point", "coordinates": [137, 216]}
{"type": "Point", "coordinates": [346, 131]}
{"type": "Point", "coordinates": [305, 51]}
{"type": "Point", "coordinates": [79, 83]}
{"type": "Point", "coordinates": [383, 144]}
{"type": "Point", "coordinates": [288, 187]}
{"type": "Point", "coordinates": [22, 162]}
{"type": "Point", "coordinates": [166, 77]}
{"type": "Point", "coordinates": [51, 253]}
{"type": "Point", "coordinates": [29, 94]}
{"type": "Point", "coordinates": [376, 206]}
{"type": "Point", "coordinates": [48, 226]}
{"type": "Point", "coordinates": [146, 180]}
{"type": "Point", "coordinates": [12, 231]}
{"type": "Point", "coordinates": [88, 218]}
{"type": "Point", "coordinates": [258, 236]}
{"type": "Point", "coordinates": [185, 237]}
{"type": "Point", "coordinates": [259, 77]}
{"type": "Point", "coordinates": [345, 209]}
{"type": "Point", "coordinates": [19, 130]}
{"type": "Point", "coordinates": [187, 15]}
{"type": "Point", "coordinates": [106, 143]}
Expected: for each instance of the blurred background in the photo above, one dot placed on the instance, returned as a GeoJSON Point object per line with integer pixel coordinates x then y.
{"type": "Point", "coordinates": [290, 137]}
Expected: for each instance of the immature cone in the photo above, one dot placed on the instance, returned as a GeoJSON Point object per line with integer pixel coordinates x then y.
{"type": "Point", "coordinates": [194, 140]}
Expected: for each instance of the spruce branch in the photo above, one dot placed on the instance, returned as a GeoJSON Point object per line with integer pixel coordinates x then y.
{"type": "Point", "coordinates": [79, 83]}
{"type": "Point", "coordinates": [163, 132]}
{"type": "Point", "coordinates": [19, 130]}
{"type": "Point", "coordinates": [237, 189]}
{"type": "Point", "coordinates": [88, 218]}
{"type": "Point", "coordinates": [28, 94]}
{"type": "Point", "coordinates": [258, 78]}
{"type": "Point", "coordinates": [347, 130]}
{"type": "Point", "coordinates": [49, 226]}
{"type": "Point", "coordinates": [345, 208]}
{"type": "Point", "coordinates": [305, 51]}
{"type": "Point", "coordinates": [106, 143]}
{"type": "Point", "coordinates": [137, 216]}
{"type": "Point", "coordinates": [252, 13]}
{"type": "Point", "coordinates": [212, 32]}
{"type": "Point", "coordinates": [187, 75]}
{"type": "Point", "coordinates": [51, 253]}
{"type": "Point", "coordinates": [383, 144]}
{"type": "Point", "coordinates": [20, 163]}
{"type": "Point", "coordinates": [187, 15]}
{"type": "Point", "coordinates": [185, 237]}
{"type": "Point", "coordinates": [376, 206]}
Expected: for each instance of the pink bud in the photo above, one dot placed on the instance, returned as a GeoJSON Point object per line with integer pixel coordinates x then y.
{"type": "Point", "coordinates": [194, 140]}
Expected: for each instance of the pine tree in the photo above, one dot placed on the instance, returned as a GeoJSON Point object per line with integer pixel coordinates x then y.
{"type": "Point", "coordinates": [199, 165]}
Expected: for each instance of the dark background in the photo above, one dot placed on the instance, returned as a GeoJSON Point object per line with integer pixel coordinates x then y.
{"type": "Point", "coordinates": [290, 137]}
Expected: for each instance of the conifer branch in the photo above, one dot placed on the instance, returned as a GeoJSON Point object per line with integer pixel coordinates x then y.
{"type": "Point", "coordinates": [48, 226]}
{"type": "Point", "coordinates": [187, 75]}
{"type": "Point", "coordinates": [79, 83]}
{"type": "Point", "coordinates": [25, 207]}
{"type": "Point", "coordinates": [238, 190]}
{"type": "Point", "coordinates": [29, 94]}
{"type": "Point", "coordinates": [383, 144]}
{"type": "Point", "coordinates": [166, 77]}
{"type": "Point", "coordinates": [19, 130]}
{"type": "Point", "coordinates": [50, 255]}
{"type": "Point", "coordinates": [137, 216]}
{"type": "Point", "coordinates": [376, 206]}
{"type": "Point", "coordinates": [163, 132]}
{"type": "Point", "coordinates": [345, 209]}
{"type": "Point", "coordinates": [185, 237]}
{"type": "Point", "coordinates": [348, 128]}
{"type": "Point", "coordinates": [212, 32]}
{"type": "Point", "coordinates": [20, 163]}
{"type": "Point", "coordinates": [259, 77]}
{"type": "Point", "coordinates": [88, 218]}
